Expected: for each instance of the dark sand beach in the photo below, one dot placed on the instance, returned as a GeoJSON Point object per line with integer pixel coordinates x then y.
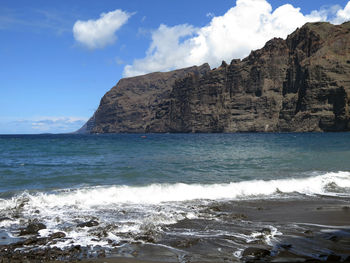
{"type": "Point", "coordinates": [307, 229]}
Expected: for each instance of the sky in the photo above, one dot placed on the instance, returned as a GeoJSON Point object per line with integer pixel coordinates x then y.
{"type": "Point", "coordinates": [59, 57]}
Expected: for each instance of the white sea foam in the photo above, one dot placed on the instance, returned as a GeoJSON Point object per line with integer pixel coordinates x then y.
{"type": "Point", "coordinates": [140, 209]}
{"type": "Point", "coordinates": [158, 193]}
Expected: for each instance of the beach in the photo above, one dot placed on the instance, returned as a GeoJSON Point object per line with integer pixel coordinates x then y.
{"type": "Point", "coordinates": [265, 230]}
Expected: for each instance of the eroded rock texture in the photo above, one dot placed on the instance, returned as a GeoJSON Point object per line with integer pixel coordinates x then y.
{"type": "Point", "coordinates": [300, 84]}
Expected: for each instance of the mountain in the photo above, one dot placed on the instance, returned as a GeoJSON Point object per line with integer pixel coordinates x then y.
{"type": "Point", "coordinates": [301, 84]}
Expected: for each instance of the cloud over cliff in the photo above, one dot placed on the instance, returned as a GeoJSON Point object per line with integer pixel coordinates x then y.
{"type": "Point", "coordinates": [244, 27]}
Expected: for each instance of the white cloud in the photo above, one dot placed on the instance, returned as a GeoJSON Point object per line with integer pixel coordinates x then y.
{"type": "Point", "coordinates": [43, 124]}
{"type": "Point", "coordinates": [169, 49]}
{"type": "Point", "coordinates": [342, 15]}
{"type": "Point", "coordinates": [101, 32]}
{"type": "Point", "coordinates": [245, 27]}
{"type": "Point", "coordinates": [57, 124]}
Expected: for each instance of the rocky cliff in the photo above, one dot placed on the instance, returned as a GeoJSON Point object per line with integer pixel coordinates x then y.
{"type": "Point", "coordinates": [300, 84]}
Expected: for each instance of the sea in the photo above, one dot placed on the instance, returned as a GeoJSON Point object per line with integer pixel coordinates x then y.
{"type": "Point", "coordinates": [163, 189]}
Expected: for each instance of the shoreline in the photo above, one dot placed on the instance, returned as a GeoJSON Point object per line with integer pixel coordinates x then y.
{"type": "Point", "coordinates": [322, 223]}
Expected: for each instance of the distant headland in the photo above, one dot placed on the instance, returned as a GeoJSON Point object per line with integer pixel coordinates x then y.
{"type": "Point", "coordinates": [301, 84]}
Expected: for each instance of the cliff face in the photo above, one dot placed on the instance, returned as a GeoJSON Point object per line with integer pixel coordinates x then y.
{"type": "Point", "coordinates": [138, 104]}
{"type": "Point", "coordinates": [300, 84]}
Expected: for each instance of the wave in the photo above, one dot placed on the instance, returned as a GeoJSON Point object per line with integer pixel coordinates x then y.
{"type": "Point", "coordinates": [325, 184]}
{"type": "Point", "coordinates": [129, 211]}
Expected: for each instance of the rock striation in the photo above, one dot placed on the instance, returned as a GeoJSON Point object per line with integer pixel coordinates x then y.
{"type": "Point", "coordinates": [301, 84]}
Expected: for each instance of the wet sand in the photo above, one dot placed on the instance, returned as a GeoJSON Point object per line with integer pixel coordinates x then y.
{"type": "Point", "coordinates": [333, 211]}
{"type": "Point", "coordinates": [312, 229]}
{"type": "Point", "coordinates": [313, 215]}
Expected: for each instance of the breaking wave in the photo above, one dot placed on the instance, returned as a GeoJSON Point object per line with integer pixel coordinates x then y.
{"type": "Point", "coordinates": [129, 211]}
{"type": "Point", "coordinates": [325, 184]}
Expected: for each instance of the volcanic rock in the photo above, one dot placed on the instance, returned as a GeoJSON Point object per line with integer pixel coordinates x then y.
{"type": "Point", "coordinates": [57, 235]}
{"type": "Point", "coordinates": [301, 84]}
{"type": "Point", "coordinates": [255, 252]}
{"type": "Point", "coordinates": [90, 223]}
{"type": "Point", "coordinates": [32, 229]}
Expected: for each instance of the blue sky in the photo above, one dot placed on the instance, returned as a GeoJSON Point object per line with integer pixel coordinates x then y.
{"type": "Point", "coordinates": [59, 57]}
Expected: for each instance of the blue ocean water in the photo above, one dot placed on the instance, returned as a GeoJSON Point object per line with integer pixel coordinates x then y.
{"type": "Point", "coordinates": [137, 185]}
{"type": "Point", "coordinates": [48, 162]}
